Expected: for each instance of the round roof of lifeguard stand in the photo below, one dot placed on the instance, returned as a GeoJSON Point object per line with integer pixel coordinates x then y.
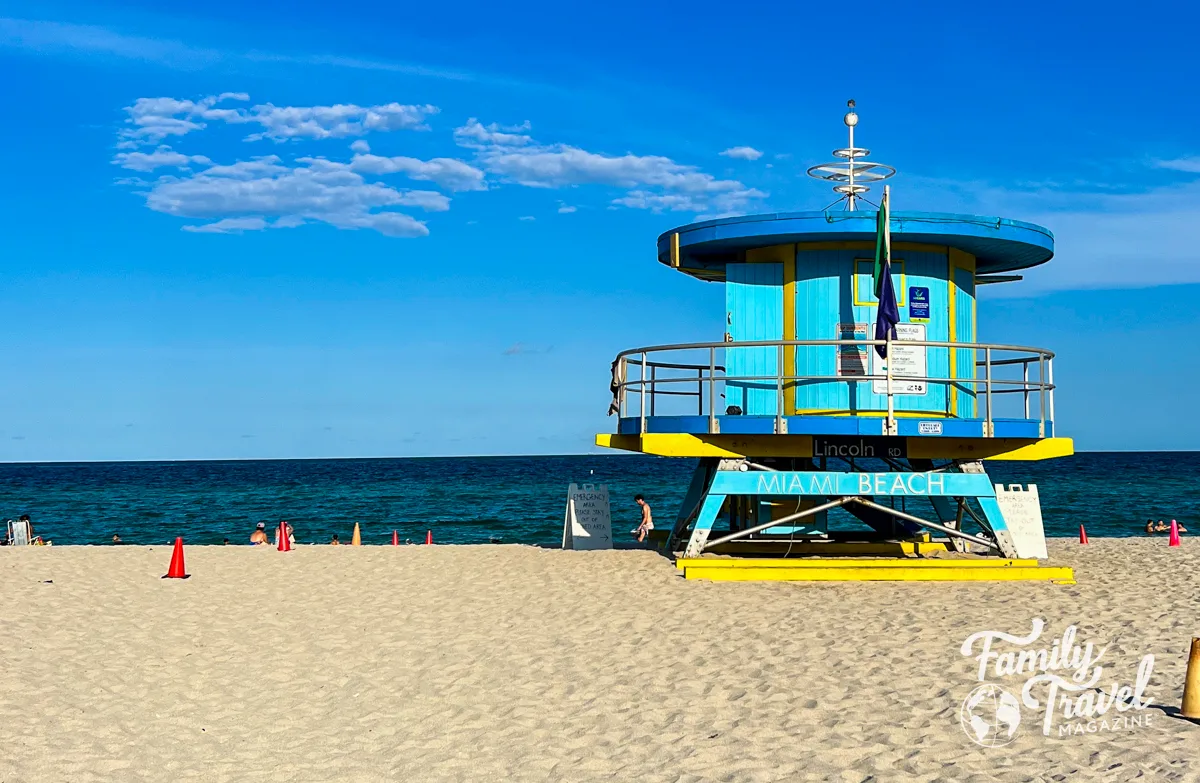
{"type": "Point", "coordinates": [998, 244]}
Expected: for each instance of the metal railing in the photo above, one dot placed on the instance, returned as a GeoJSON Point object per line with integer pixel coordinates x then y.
{"type": "Point", "coordinates": [700, 379]}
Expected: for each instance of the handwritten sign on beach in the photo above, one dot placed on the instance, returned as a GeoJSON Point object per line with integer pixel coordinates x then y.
{"type": "Point", "coordinates": [1022, 512]}
{"type": "Point", "coordinates": [588, 521]}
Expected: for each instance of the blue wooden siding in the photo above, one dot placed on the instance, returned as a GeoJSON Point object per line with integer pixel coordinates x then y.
{"type": "Point", "coordinates": [964, 329]}
{"type": "Point", "coordinates": [825, 297]}
{"type": "Point", "coordinates": [754, 303]}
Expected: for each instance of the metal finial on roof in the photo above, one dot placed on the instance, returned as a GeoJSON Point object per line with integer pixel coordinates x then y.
{"type": "Point", "coordinates": [853, 171]}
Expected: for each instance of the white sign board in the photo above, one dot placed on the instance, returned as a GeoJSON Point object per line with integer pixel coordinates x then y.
{"type": "Point", "coordinates": [588, 521]}
{"type": "Point", "coordinates": [908, 361]}
{"type": "Point", "coordinates": [852, 359]}
{"type": "Point", "coordinates": [1022, 512]}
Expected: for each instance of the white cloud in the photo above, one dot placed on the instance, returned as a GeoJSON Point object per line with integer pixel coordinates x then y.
{"type": "Point", "coordinates": [1101, 239]}
{"type": "Point", "coordinates": [243, 195]}
{"type": "Point", "coordinates": [161, 157]}
{"type": "Point", "coordinates": [153, 119]}
{"type": "Point", "coordinates": [475, 134]}
{"type": "Point", "coordinates": [229, 226]}
{"type": "Point", "coordinates": [1189, 164]}
{"type": "Point", "coordinates": [566, 209]}
{"type": "Point", "coordinates": [742, 153]}
{"type": "Point", "coordinates": [654, 182]}
{"type": "Point", "coordinates": [448, 173]}
{"type": "Point", "coordinates": [529, 218]}
{"type": "Point", "coordinates": [360, 146]}
{"type": "Point", "coordinates": [323, 122]}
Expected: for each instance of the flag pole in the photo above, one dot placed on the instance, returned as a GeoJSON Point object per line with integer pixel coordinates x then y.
{"type": "Point", "coordinates": [887, 235]}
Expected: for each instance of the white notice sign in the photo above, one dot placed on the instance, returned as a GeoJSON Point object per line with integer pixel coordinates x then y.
{"type": "Point", "coordinates": [908, 361]}
{"type": "Point", "coordinates": [1022, 512]}
{"type": "Point", "coordinates": [588, 521]}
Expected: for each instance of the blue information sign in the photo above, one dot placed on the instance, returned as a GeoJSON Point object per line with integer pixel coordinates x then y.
{"type": "Point", "coordinates": [918, 303]}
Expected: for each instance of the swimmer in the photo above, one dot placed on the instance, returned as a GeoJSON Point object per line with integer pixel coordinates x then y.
{"type": "Point", "coordinates": [259, 536]}
{"type": "Point", "coordinates": [334, 541]}
{"type": "Point", "coordinates": [1149, 527]}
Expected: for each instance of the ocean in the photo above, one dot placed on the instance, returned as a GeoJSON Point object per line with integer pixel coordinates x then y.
{"type": "Point", "coordinates": [470, 500]}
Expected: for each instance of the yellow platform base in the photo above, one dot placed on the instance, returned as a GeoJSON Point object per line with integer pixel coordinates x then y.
{"type": "Point", "coordinates": [871, 570]}
{"type": "Point", "coordinates": [761, 546]}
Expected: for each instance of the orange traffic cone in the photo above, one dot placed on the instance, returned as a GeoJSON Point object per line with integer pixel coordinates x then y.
{"type": "Point", "coordinates": [395, 538]}
{"type": "Point", "coordinates": [284, 544]}
{"type": "Point", "coordinates": [428, 537]}
{"type": "Point", "coordinates": [1174, 540]}
{"type": "Point", "coordinates": [356, 539]}
{"type": "Point", "coordinates": [1082, 535]}
{"type": "Point", "coordinates": [176, 570]}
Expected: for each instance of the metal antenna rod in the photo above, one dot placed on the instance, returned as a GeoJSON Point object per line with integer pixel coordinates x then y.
{"type": "Point", "coordinates": [852, 170]}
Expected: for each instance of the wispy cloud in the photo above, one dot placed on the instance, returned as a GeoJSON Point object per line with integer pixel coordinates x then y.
{"type": "Point", "coordinates": [1103, 239]}
{"type": "Point", "coordinates": [152, 119]}
{"type": "Point", "coordinates": [655, 182]}
{"type": "Point", "coordinates": [1189, 164]}
{"type": "Point", "coordinates": [242, 197]}
{"type": "Point", "coordinates": [521, 349]}
{"type": "Point", "coordinates": [48, 37]}
{"type": "Point", "coordinates": [742, 153]}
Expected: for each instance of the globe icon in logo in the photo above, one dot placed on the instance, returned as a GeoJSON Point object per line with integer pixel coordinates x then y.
{"type": "Point", "coordinates": [990, 716]}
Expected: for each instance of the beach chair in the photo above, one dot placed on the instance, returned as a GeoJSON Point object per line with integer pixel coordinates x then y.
{"type": "Point", "coordinates": [18, 533]}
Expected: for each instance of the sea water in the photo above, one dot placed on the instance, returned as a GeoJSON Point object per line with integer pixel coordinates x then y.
{"type": "Point", "coordinates": [508, 499]}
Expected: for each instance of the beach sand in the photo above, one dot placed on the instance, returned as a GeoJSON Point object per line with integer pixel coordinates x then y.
{"type": "Point", "coordinates": [497, 663]}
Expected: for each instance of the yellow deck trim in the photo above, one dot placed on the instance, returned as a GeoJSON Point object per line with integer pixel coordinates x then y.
{"type": "Point", "coordinates": [677, 444]}
{"type": "Point", "coordinates": [851, 562]}
{"type": "Point", "coordinates": [779, 546]}
{"type": "Point", "coordinates": [866, 570]}
{"type": "Point", "coordinates": [1059, 575]}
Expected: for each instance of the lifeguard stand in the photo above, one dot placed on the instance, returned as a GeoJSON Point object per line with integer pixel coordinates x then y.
{"type": "Point", "coordinates": [793, 413]}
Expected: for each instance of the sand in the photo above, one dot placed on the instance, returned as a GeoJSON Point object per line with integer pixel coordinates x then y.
{"type": "Point", "coordinates": [513, 663]}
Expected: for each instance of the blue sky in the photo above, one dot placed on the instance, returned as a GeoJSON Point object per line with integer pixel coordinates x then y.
{"type": "Point", "coordinates": [312, 230]}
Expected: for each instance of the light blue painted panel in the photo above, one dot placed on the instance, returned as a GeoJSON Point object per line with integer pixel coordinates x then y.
{"type": "Point", "coordinates": [754, 303]}
{"type": "Point", "coordinates": [964, 327]}
{"type": "Point", "coordinates": [822, 302]}
{"type": "Point", "coordinates": [825, 298]}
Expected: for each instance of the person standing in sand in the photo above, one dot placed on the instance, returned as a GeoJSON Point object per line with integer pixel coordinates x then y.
{"type": "Point", "coordinates": [259, 536]}
{"type": "Point", "coordinates": [647, 524]}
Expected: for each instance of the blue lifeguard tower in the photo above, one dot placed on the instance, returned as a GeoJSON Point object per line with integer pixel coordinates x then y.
{"type": "Point", "coordinates": [792, 411]}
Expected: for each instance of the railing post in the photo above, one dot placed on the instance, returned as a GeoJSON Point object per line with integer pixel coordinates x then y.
{"type": "Point", "coordinates": [642, 385]}
{"type": "Point", "coordinates": [712, 389]}
{"type": "Point", "coordinates": [891, 410]}
{"type": "Point", "coordinates": [699, 392]}
{"type": "Point", "coordinates": [779, 425]}
{"type": "Point", "coordinates": [1025, 385]}
{"type": "Point", "coordinates": [1042, 392]}
{"type": "Point", "coordinates": [1050, 383]}
{"type": "Point", "coordinates": [653, 387]}
{"type": "Point", "coordinates": [987, 369]}
{"type": "Point", "coordinates": [622, 402]}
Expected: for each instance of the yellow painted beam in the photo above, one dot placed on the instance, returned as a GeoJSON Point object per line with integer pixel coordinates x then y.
{"type": "Point", "coordinates": [999, 449]}
{"type": "Point", "coordinates": [677, 444]}
{"type": "Point", "coordinates": [833, 573]}
{"type": "Point", "coordinates": [735, 563]}
{"type": "Point", "coordinates": [780, 546]}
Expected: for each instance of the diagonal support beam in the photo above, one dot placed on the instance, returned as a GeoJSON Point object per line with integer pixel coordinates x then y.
{"type": "Point", "coordinates": [781, 521]}
{"type": "Point", "coordinates": [931, 525]}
